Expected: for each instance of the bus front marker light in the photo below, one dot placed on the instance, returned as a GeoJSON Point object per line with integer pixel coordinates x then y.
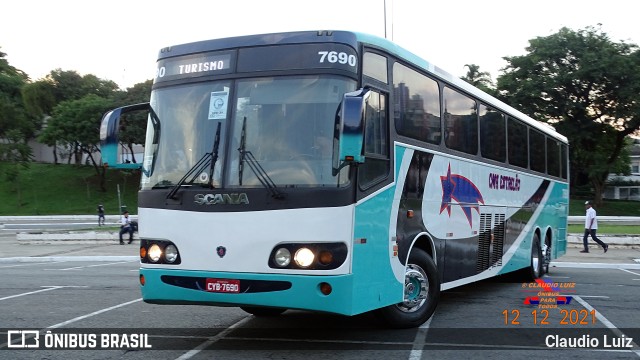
{"type": "Point", "coordinates": [155, 253]}
{"type": "Point", "coordinates": [325, 257]}
{"type": "Point", "coordinates": [142, 280]}
{"type": "Point", "coordinates": [143, 252]}
{"type": "Point", "coordinates": [304, 257]}
{"type": "Point", "coordinates": [170, 253]}
{"type": "Point", "coordinates": [325, 288]}
{"type": "Point", "coordinates": [282, 257]}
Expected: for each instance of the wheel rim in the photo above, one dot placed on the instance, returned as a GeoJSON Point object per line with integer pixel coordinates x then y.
{"type": "Point", "coordinates": [416, 289]}
{"type": "Point", "coordinates": [535, 260]}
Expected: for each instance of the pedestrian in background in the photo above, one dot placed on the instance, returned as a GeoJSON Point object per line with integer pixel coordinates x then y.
{"type": "Point", "coordinates": [100, 215]}
{"type": "Point", "coordinates": [590, 228]}
{"type": "Point", "coordinates": [126, 227]}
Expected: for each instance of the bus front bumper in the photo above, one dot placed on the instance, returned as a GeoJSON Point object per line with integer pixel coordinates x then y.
{"type": "Point", "coordinates": [162, 286]}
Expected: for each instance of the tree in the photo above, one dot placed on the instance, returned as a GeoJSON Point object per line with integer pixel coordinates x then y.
{"type": "Point", "coordinates": [38, 98]}
{"type": "Point", "coordinates": [585, 85]}
{"type": "Point", "coordinates": [60, 86]}
{"type": "Point", "coordinates": [69, 85]}
{"type": "Point", "coordinates": [480, 79]}
{"type": "Point", "coordinates": [15, 128]}
{"type": "Point", "coordinates": [133, 126]}
{"type": "Point", "coordinates": [76, 123]}
{"type": "Point", "coordinates": [12, 115]}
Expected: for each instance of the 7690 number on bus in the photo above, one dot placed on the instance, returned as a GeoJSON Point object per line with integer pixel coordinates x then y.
{"type": "Point", "coordinates": [337, 57]}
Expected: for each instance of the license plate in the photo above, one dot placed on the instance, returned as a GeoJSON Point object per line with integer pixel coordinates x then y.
{"type": "Point", "coordinates": [223, 286]}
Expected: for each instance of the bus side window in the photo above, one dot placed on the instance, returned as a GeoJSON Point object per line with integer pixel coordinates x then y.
{"type": "Point", "coordinates": [376, 141]}
{"type": "Point", "coordinates": [416, 105]}
{"type": "Point", "coordinates": [493, 137]}
{"type": "Point", "coordinates": [461, 122]}
{"type": "Point", "coordinates": [518, 144]}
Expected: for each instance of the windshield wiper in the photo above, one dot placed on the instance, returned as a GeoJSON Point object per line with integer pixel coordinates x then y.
{"type": "Point", "coordinates": [254, 165]}
{"type": "Point", "coordinates": [209, 158]}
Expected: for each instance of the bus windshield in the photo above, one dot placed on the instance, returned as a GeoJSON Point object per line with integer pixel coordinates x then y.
{"type": "Point", "coordinates": [282, 124]}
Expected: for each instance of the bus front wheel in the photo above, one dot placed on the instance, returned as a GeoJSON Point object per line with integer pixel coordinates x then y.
{"type": "Point", "coordinates": [263, 311]}
{"type": "Point", "coordinates": [421, 293]}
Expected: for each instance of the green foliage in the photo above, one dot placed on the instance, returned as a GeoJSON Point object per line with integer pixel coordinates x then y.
{"type": "Point", "coordinates": [76, 124]}
{"type": "Point", "coordinates": [49, 189]}
{"type": "Point", "coordinates": [11, 79]}
{"type": "Point", "coordinates": [133, 126]}
{"type": "Point", "coordinates": [480, 79]}
{"type": "Point", "coordinates": [15, 127]}
{"type": "Point", "coordinates": [38, 98]}
{"type": "Point", "coordinates": [78, 121]}
{"type": "Point", "coordinates": [585, 85]}
{"type": "Point", "coordinates": [622, 182]}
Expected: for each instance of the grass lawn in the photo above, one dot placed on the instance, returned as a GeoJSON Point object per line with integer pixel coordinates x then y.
{"type": "Point", "coordinates": [607, 229]}
{"type": "Point", "coordinates": [47, 189]}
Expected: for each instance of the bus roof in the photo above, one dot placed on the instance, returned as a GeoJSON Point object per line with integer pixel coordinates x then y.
{"type": "Point", "coordinates": [353, 38]}
{"type": "Point", "coordinates": [400, 52]}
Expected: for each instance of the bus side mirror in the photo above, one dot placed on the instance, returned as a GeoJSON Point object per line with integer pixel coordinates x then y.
{"type": "Point", "coordinates": [348, 135]}
{"type": "Point", "coordinates": [109, 137]}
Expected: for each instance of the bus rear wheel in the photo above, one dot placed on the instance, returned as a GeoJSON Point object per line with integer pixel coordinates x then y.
{"type": "Point", "coordinates": [535, 269]}
{"type": "Point", "coordinates": [263, 311]}
{"type": "Point", "coordinates": [421, 293]}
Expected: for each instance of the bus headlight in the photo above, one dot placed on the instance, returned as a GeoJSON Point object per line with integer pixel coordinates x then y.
{"type": "Point", "coordinates": [304, 257]}
{"type": "Point", "coordinates": [282, 257]}
{"type": "Point", "coordinates": [159, 251]}
{"type": "Point", "coordinates": [154, 253]}
{"type": "Point", "coordinates": [170, 253]}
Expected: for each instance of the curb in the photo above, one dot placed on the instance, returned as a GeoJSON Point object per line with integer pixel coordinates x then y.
{"type": "Point", "coordinates": [26, 259]}
{"type": "Point", "coordinates": [560, 264]}
{"type": "Point", "coordinates": [614, 240]}
{"type": "Point", "coordinates": [70, 237]}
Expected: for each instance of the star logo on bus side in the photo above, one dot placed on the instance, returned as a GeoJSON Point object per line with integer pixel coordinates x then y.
{"type": "Point", "coordinates": [462, 190]}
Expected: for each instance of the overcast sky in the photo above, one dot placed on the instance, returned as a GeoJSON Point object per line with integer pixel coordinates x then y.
{"type": "Point", "coordinates": [119, 40]}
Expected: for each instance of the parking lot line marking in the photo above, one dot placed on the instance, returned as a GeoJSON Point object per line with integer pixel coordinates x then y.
{"type": "Point", "coordinates": [49, 288]}
{"type": "Point", "coordinates": [93, 314]}
{"type": "Point", "coordinates": [420, 340]}
{"type": "Point", "coordinates": [195, 351]}
{"type": "Point", "coordinates": [578, 265]}
{"type": "Point", "coordinates": [607, 323]}
{"type": "Point", "coordinates": [89, 266]}
{"type": "Point", "coordinates": [31, 264]}
{"type": "Point", "coordinates": [631, 272]}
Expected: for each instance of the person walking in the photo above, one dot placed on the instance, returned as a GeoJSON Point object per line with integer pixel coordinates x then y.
{"type": "Point", "coordinates": [100, 215]}
{"type": "Point", "coordinates": [590, 228]}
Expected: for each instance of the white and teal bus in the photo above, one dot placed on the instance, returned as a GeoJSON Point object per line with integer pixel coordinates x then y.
{"type": "Point", "coordinates": [334, 171]}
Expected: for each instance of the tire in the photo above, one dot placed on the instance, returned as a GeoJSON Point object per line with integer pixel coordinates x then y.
{"type": "Point", "coordinates": [535, 270]}
{"type": "Point", "coordinates": [546, 256]}
{"type": "Point", "coordinates": [545, 268]}
{"type": "Point", "coordinates": [421, 294]}
{"type": "Point", "coordinates": [263, 311]}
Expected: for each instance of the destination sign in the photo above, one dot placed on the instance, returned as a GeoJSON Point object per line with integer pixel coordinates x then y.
{"type": "Point", "coordinates": [194, 66]}
{"type": "Point", "coordinates": [259, 59]}
{"type": "Point", "coordinates": [298, 56]}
